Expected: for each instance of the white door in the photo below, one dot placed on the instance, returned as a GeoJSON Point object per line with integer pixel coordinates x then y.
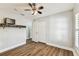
{"type": "Point", "coordinates": [39, 31]}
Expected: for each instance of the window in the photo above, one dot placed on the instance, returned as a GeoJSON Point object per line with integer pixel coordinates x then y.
{"type": "Point", "coordinates": [77, 31]}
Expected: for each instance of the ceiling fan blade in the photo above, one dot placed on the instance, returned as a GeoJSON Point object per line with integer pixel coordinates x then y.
{"type": "Point", "coordinates": [30, 5]}
{"type": "Point", "coordinates": [39, 12]}
{"type": "Point", "coordinates": [41, 7]}
{"type": "Point", "coordinates": [27, 9]}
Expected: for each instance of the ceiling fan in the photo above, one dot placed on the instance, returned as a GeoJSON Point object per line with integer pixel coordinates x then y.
{"type": "Point", "coordinates": [34, 8]}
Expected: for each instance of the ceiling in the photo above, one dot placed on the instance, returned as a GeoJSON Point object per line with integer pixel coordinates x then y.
{"type": "Point", "coordinates": [49, 8]}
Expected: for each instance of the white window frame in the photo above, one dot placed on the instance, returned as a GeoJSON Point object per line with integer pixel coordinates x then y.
{"type": "Point", "coordinates": [77, 30]}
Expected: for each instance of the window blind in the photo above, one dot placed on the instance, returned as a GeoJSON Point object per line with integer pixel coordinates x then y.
{"type": "Point", "coordinates": [77, 31]}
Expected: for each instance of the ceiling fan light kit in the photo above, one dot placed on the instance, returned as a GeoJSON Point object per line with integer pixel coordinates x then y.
{"type": "Point", "coordinates": [34, 12]}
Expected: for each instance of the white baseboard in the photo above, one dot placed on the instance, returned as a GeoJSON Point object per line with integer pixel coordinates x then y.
{"type": "Point", "coordinates": [67, 48]}
{"type": "Point", "coordinates": [12, 47]}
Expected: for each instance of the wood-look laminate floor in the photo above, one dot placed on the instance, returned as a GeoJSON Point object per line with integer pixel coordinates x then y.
{"type": "Point", "coordinates": [37, 49]}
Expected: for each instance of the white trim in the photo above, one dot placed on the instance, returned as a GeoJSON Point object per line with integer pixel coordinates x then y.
{"type": "Point", "coordinates": [12, 47]}
{"type": "Point", "coordinates": [67, 48]}
{"type": "Point", "coordinates": [55, 45]}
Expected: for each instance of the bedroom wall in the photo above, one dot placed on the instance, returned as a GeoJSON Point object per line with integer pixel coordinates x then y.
{"type": "Point", "coordinates": [13, 37]}
{"type": "Point", "coordinates": [59, 29]}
